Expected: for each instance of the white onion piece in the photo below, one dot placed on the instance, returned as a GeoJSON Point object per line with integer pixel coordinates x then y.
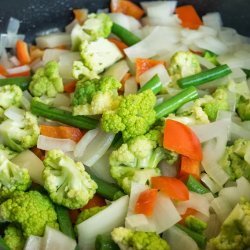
{"type": "Point", "coordinates": [84, 142]}
{"type": "Point", "coordinates": [243, 186]}
{"type": "Point", "coordinates": [130, 86]}
{"type": "Point", "coordinates": [196, 201]}
{"type": "Point", "coordinates": [13, 26]}
{"type": "Point", "coordinates": [15, 61]}
{"type": "Point", "coordinates": [49, 143]}
{"type": "Point", "coordinates": [27, 159]}
{"type": "Point", "coordinates": [153, 8]}
{"type": "Point", "coordinates": [221, 207]}
{"type": "Point", "coordinates": [139, 222]}
{"type": "Point", "coordinates": [204, 62]}
{"type": "Point", "coordinates": [212, 20]}
{"type": "Point", "coordinates": [238, 131]}
{"type": "Point", "coordinates": [4, 59]}
{"type": "Point", "coordinates": [61, 99]}
{"type": "Point", "coordinates": [53, 40]}
{"type": "Point", "coordinates": [9, 40]}
{"type": "Point", "coordinates": [159, 40]}
{"type": "Point", "coordinates": [212, 185]}
{"type": "Point", "coordinates": [25, 103]}
{"type": "Point", "coordinates": [179, 240]}
{"type": "Point", "coordinates": [167, 169]}
{"type": "Point", "coordinates": [103, 222]}
{"type": "Point", "coordinates": [159, 70]}
{"type": "Point", "coordinates": [213, 226]}
{"type": "Point", "coordinates": [17, 70]}
{"type": "Point", "coordinates": [128, 22]}
{"type": "Point", "coordinates": [27, 95]}
{"type": "Point", "coordinates": [118, 70]}
{"type": "Point", "coordinates": [36, 64]}
{"type": "Point", "coordinates": [238, 75]}
{"type": "Point", "coordinates": [230, 194]}
{"type": "Point", "coordinates": [54, 239]}
{"type": "Point", "coordinates": [52, 55]}
{"type": "Point", "coordinates": [66, 61]}
{"type": "Point", "coordinates": [14, 114]}
{"type": "Point", "coordinates": [96, 148]}
{"type": "Point", "coordinates": [70, 26]}
{"type": "Point", "coordinates": [33, 242]}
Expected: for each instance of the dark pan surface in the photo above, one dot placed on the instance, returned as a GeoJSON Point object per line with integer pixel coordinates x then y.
{"type": "Point", "coordinates": [40, 15]}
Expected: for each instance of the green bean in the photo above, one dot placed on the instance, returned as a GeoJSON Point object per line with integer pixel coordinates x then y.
{"type": "Point", "coordinates": [154, 84]}
{"type": "Point", "coordinates": [195, 186]}
{"type": "Point", "coordinates": [22, 82]}
{"type": "Point", "coordinates": [105, 242]}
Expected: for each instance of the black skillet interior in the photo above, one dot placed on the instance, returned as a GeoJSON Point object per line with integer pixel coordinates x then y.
{"type": "Point", "coordinates": [40, 15]}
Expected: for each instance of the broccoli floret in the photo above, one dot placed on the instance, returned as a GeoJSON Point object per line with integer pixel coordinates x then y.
{"type": "Point", "coordinates": [20, 135]}
{"type": "Point", "coordinates": [235, 231]}
{"type": "Point", "coordinates": [31, 211]}
{"type": "Point", "coordinates": [182, 64]}
{"type": "Point", "coordinates": [13, 238]}
{"type": "Point", "coordinates": [81, 72]}
{"type": "Point", "coordinates": [87, 213]}
{"type": "Point", "coordinates": [195, 224]}
{"type": "Point", "coordinates": [93, 97]}
{"type": "Point", "coordinates": [96, 56]}
{"type": "Point", "coordinates": [96, 26]}
{"type": "Point", "coordinates": [243, 108]}
{"type": "Point", "coordinates": [128, 239]}
{"type": "Point", "coordinates": [233, 160]}
{"type": "Point", "coordinates": [133, 117]}
{"type": "Point", "coordinates": [12, 178]}
{"type": "Point", "coordinates": [211, 57]}
{"type": "Point", "coordinates": [67, 181]}
{"type": "Point", "coordinates": [7, 152]}
{"type": "Point", "coordinates": [47, 81]}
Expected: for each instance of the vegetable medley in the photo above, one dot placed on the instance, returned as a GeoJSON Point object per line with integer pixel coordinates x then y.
{"type": "Point", "coordinates": [130, 130]}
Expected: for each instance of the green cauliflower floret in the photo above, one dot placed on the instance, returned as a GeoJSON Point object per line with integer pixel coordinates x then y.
{"type": "Point", "coordinates": [30, 211]}
{"type": "Point", "coordinates": [211, 57]}
{"type": "Point", "coordinates": [20, 135]}
{"type": "Point", "coordinates": [182, 64]}
{"type": "Point", "coordinates": [12, 178]}
{"type": "Point", "coordinates": [93, 97]}
{"type": "Point", "coordinates": [67, 181]}
{"type": "Point", "coordinates": [47, 81]}
{"type": "Point", "coordinates": [128, 239]}
{"type": "Point", "coordinates": [96, 57]}
{"type": "Point", "coordinates": [195, 224]}
{"type": "Point", "coordinates": [96, 26]}
{"type": "Point", "coordinates": [134, 116]}
{"type": "Point", "coordinates": [87, 213]}
{"type": "Point", "coordinates": [7, 152]}
{"type": "Point", "coordinates": [235, 231]}
{"type": "Point", "coordinates": [233, 160]}
{"type": "Point", "coordinates": [13, 238]}
{"type": "Point", "coordinates": [243, 108]}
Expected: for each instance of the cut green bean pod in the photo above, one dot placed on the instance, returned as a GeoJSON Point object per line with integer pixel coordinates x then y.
{"type": "Point", "coordinates": [44, 110]}
{"type": "Point", "coordinates": [204, 77]}
{"type": "Point", "coordinates": [154, 84]}
{"type": "Point", "coordinates": [22, 82]}
{"type": "Point", "coordinates": [175, 102]}
{"type": "Point", "coordinates": [105, 242]}
{"type": "Point", "coordinates": [125, 35]}
{"type": "Point", "coordinates": [195, 186]}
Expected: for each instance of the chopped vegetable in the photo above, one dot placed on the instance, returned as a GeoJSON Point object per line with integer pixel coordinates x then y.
{"type": "Point", "coordinates": [195, 186]}
{"type": "Point", "coordinates": [154, 84]}
{"type": "Point", "coordinates": [189, 167]}
{"type": "Point", "coordinates": [70, 87]}
{"type": "Point", "coordinates": [13, 238]}
{"type": "Point", "coordinates": [22, 82]}
{"type": "Point", "coordinates": [243, 108]}
{"type": "Point", "coordinates": [120, 45]}
{"type": "Point", "coordinates": [105, 242]}
{"type": "Point", "coordinates": [96, 201]}
{"type": "Point", "coordinates": [22, 52]}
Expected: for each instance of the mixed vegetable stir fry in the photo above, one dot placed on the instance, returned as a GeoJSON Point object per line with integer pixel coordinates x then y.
{"type": "Point", "coordinates": [130, 130]}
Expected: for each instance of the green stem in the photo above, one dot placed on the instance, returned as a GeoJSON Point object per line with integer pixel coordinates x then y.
{"type": "Point", "coordinates": [107, 190]}
{"type": "Point", "coordinates": [205, 76]}
{"type": "Point", "coordinates": [63, 116]}
{"type": "Point", "coordinates": [154, 84]}
{"type": "Point", "coordinates": [125, 35]}
{"type": "Point", "coordinates": [3, 245]}
{"type": "Point", "coordinates": [195, 186]}
{"type": "Point", "coordinates": [175, 102]}
{"type": "Point", "coordinates": [198, 238]}
{"type": "Point", "coordinates": [22, 82]}
{"type": "Point", "coordinates": [105, 242]}
{"type": "Point", "coordinates": [64, 221]}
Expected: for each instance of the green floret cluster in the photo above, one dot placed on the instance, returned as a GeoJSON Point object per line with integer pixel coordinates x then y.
{"type": "Point", "coordinates": [235, 231]}
{"type": "Point", "coordinates": [87, 213]}
{"type": "Point", "coordinates": [134, 116]}
{"type": "Point", "coordinates": [67, 181]}
{"type": "Point", "coordinates": [128, 239]}
{"type": "Point", "coordinates": [233, 160]}
{"type": "Point", "coordinates": [13, 238]}
{"type": "Point", "coordinates": [30, 211]}
{"type": "Point", "coordinates": [20, 135]}
{"type": "Point", "coordinates": [12, 178]}
{"type": "Point", "coordinates": [195, 224]}
{"type": "Point", "coordinates": [96, 96]}
{"type": "Point", "coordinates": [46, 81]}
{"type": "Point", "coordinates": [243, 108]}
{"type": "Point", "coordinates": [7, 152]}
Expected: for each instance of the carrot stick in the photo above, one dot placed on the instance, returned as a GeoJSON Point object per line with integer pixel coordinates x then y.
{"type": "Point", "coordinates": [189, 166]}
{"type": "Point", "coordinates": [70, 87]}
{"type": "Point", "coordinates": [80, 15]}
{"type": "Point", "coordinates": [22, 52]}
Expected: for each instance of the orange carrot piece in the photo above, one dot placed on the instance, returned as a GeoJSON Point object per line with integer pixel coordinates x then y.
{"type": "Point", "coordinates": [3, 71]}
{"type": "Point", "coordinates": [119, 44]}
{"type": "Point", "coordinates": [22, 52]}
{"type": "Point", "coordinates": [39, 153]}
{"type": "Point", "coordinates": [70, 87]}
{"type": "Point", "coordinates": [144, 64]}
{"type": "Point", "coordinates": [24, 73]}
{"type": "Point", "coordinates": [189, 17]}
{"type": "Point", "coordinates": [189, 166]}
{"type": "Point", "coordinates": [73, 214]}
{"type": "Point", "coordinates": [96, 201]}
{"type": "Point", "coordinates": [182, 140]}
{"type": "Point", "coordinates": [146, 202]}
{"type": "Point", "coordinates": [189, 211]}
{"type": "Point", "coordinates": [35, 53]}
{"type": "Point", "coordinates": [126, 7]}
{"type": "Point", "coordinates": [80, 15]}
{"type": "Point", "coordinates": [172, 187]}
